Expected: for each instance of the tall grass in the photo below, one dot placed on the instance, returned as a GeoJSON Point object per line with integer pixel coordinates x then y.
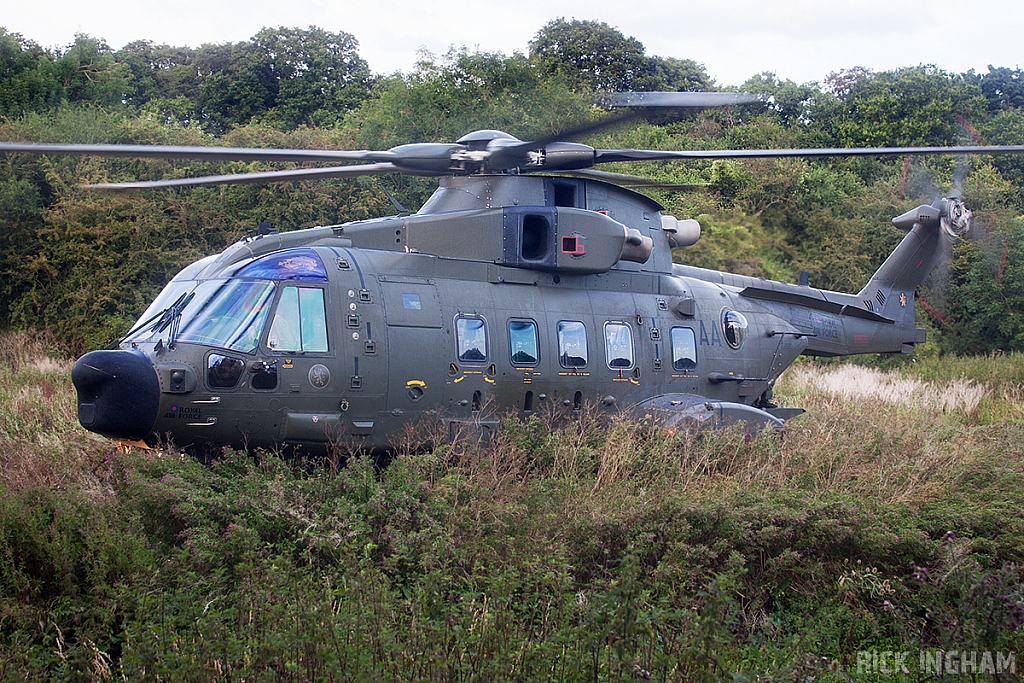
{"type": "Point", "coordinates": [41, 443]}
{"type": "Point", "coordinates": [600, 549]}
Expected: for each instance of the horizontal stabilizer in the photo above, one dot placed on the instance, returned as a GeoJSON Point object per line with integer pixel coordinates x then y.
{"type": "Point", "coordinates": [813, 299]}
{"type": "Point", "coordinates": [807, 300]}
{"type": "Point", "coordinates": [864, 314]}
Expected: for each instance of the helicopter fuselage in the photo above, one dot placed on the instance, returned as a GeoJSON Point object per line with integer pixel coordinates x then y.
{"type": "Point", "coordinates": [504, 295]}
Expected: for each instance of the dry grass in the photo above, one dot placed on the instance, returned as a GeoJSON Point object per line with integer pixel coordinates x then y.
{"type": "Point", "coordinates": [20, 349]}
{"type": "Point", "coordinates": [867, 432]}
{"type": "Point", "coordinates": [860, 383]}
{"type": "Point", "coordinates": [613, 516]}
{"type": "Point", "coordinates": [893, 436]}
{"type": "Point", "coordinates": [41, 442]}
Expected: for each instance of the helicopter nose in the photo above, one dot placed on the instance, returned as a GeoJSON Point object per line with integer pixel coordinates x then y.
{"type": "Point", "coordinates": [118, 393]}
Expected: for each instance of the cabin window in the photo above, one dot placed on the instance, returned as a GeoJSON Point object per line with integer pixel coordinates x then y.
{"type": "Point", "coordinates": [300, 322]}
{"type": "Point", "coordinates": [734, 328]}
{"type": "Point", "coordinates": [618, 345]}
{"type": "Point", "coordinates": [684, 349]}
{"type": "Point", "coordinates": [572, 344]}
{"type": "Point", "coordinates": [471, 338]}
{"type": "Point", "coordinates": [411, 302]}
{"type": "Point", "coordinates": [522, 339]}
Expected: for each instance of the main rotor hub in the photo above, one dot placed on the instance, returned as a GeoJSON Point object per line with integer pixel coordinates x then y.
{"type": "Point", "coordinates": [479, 139]}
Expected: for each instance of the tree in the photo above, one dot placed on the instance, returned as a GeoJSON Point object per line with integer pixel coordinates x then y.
{"type": "Point", "coordinates": [447, 97]}
{"type": "Point", "coordinates": [319, 74]}
{"type": "Point", "coordinates": [27, 82]}
{"type": "Point", "coordinates": [88, 72]}
{"type": "Point", "coordinates": [590, 53]}
{"type": "Point", "coordinates": [1002, 87]}
{"type": "Point", "coordinates": [669, 73]}
{"type": "Point", "coordinates": [236, 84]}
{"type": "Point", "coordinates": [791, 102]}
{"type": "Point", "coordinates": [286, 76]}
{"type": "Point", "coordinates": [985, 301]}
{"type": "Point", "coordinates": [598, 56]}
{"type": "Point", "coordinates": [912, 106]}
{"type": "Point", "coordinates": [159, 71]}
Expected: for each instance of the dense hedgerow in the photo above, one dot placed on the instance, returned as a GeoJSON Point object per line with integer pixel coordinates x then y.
{"type": "Point", "coordinates": [83, 265]}
{"type": "Point", "coordinates": [585, 551]}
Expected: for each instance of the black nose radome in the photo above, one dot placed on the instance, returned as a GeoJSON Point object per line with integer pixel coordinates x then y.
{"type": "Point", "coordinates": [118, 393]}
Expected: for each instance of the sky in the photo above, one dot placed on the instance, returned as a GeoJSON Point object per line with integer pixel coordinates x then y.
{"type": "Point", "coordinates": [799, 40]}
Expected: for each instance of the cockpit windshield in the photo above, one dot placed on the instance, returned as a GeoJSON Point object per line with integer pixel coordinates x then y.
{"type": "Point", "coordinates": [233, 317]}
{"type": "Point", "coordinates": [229, 313]}
{"type": "Point", "coordinates": [225, 313]}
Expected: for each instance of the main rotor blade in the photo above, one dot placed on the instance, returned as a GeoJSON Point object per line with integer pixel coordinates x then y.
{"type": "Point", "coordinates": [603, 156]}
{"type": "Point", "coordinates": [678, 99]}
{"type": "Point", "coordinates": [639, 100]}
{"type": "Point", "coordinates": [628, 180]}
{"type": "Point", "coordinates": [509, 156]}
{"type": "Point", "coordinates": [212, 153]}
{"type": "Point", "coordinates": [262, 177]}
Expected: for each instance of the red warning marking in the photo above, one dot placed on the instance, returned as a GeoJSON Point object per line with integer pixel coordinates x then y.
{"type": "Point", "coordinates": [572, 245]}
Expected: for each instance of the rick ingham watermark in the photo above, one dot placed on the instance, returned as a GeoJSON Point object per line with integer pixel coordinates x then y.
{"type": "Point", "coordinates": [936, 662]}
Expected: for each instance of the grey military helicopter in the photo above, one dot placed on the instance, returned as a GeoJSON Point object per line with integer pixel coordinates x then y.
{"type": "Point", "coordinates": [527, 283]}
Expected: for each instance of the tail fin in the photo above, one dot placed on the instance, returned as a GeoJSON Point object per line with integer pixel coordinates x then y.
{"type": "Point", "coordinates": [890, 291]}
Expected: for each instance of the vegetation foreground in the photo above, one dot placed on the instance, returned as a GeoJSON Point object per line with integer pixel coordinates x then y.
{"type": "Point", "coordinates": [886, 520]}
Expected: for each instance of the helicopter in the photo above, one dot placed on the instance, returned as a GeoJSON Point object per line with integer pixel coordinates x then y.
{"type": "Point", "coordinates": [528, 283]}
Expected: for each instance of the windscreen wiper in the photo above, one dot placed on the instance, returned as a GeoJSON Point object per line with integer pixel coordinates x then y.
{"type": "Point", "coordinates": [174, 316]}
{"type": "Point", "coordinates": [162, 320]}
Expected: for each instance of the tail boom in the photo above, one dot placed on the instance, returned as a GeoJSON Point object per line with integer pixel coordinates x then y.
{"type": "Point", "coordinates": [878, 319]}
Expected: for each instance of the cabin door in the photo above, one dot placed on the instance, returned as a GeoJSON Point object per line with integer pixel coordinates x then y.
{"type": "Point", "coordinates": [415, 350]}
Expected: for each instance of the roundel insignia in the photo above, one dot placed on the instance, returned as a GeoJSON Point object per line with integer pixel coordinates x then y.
{"type": "Point", "coordinates": [319, 376]}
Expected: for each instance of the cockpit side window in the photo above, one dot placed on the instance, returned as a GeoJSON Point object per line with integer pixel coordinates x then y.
{"type": "Point", "coordinates": [222, 372]}
{"type": "Point", "coordinates": [300, 321]}
{"type": "Point", "coordinates": [471, 338]}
